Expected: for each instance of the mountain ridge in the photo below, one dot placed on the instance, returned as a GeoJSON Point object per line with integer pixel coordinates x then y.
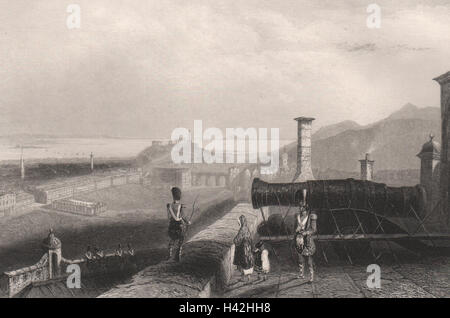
{"type": "Point", "coordinates": [392, 142]}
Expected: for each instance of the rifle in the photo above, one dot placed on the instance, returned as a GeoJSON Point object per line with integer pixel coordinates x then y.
{"type": "Point", "coordinates": [192, 213]}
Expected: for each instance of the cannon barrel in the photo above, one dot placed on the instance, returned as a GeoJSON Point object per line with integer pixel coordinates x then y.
{"type": "Point", "coordinates": [342, 194]}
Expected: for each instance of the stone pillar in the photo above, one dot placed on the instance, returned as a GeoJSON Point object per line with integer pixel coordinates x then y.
{"type": "Point", "coordinates": [304, 170]}
{"type": "Point", "coordinates": [367, 168]}
{"type": "Point", "coordinates": [444, 81]}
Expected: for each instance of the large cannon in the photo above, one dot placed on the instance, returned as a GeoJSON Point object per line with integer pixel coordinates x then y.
{"type": "Point", "coordinates": [350, 213]}
{"type": "Point", "coordinates": [342, 194]}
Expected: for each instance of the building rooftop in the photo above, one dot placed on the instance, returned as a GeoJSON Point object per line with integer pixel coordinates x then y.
{"type": "Point", "coordinates": [51, 242]}
{"type": "Point", "coordinates": [304, 119]}
{"type": "Point", "coordinates": [430, 146]}
{"type": "Point", "coordinates": [444, 78]}
{"type": "Point", "coordinates": [367, 159]}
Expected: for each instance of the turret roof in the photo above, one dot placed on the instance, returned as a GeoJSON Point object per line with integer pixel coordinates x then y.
{"type": "Point", "coordinates": [430, 146]}
{"type": "Point", "coordinates": [51, 242]}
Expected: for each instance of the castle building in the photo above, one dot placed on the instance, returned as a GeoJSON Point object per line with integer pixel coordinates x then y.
{"type": "Point", "coordinates": [175, 176]}
{"type": "Point", "coordinates": [156, 143]}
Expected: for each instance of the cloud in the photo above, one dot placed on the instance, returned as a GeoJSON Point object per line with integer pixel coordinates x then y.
{"type": "Point", "coordinates": [141, 68]}
{"type": "Point", "coordinates": [366, 47]}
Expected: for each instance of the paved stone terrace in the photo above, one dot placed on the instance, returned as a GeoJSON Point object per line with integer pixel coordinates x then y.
{"type": "Point", "coordinates": [414, 278]}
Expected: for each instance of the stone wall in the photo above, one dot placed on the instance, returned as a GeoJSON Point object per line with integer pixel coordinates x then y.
{"type": "Point", "coordinates": [206, 264]}
{"type": "Point", "coordinates": [14, 281]}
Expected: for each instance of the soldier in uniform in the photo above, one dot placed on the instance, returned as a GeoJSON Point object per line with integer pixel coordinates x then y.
{"type": "Point", "coordinates": [177, 224]}
{"type": "Point", "coordinates": [305, 227]}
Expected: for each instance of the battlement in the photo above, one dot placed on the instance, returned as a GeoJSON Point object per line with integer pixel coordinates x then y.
{"type": "Point", "coordinates": [53, 267]}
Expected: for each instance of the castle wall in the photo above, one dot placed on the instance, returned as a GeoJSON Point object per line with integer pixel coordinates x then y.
{"type": "Point", "coordinates": [206, 264]}
{"type": "Point", "coordinates": [14, 281]}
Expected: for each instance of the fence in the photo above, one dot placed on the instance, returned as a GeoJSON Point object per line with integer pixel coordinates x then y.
{"type": "Point", "coordinates": [79, 207]}
{"type": "Point", "coordinates": [7, 203]}
{"type": "Point", "coordinates": [49, 193]}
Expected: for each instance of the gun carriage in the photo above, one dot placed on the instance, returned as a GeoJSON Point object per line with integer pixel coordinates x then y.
{"type": "Point", "coordinates": [350, 212]}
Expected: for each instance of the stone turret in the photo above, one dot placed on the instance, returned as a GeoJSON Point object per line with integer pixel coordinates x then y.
{"type": "Point", "coordinates": [430, 171]}
{"type": "Point", "coordinates": [52, 245]}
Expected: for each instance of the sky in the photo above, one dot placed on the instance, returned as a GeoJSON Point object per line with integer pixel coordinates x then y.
{"type": "Point", "coordinates": [142, 68]}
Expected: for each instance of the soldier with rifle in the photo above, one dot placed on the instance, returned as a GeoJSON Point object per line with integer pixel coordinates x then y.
{"type": "Point", "coordinates": [305, 227]}
{"type": "Point", "coordinates": [177, 224]}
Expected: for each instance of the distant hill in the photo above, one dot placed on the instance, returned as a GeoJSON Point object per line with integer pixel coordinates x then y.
{"type": "Point", "coordinates": [333, 130]}
{"type": "Point", "coordinates": [392, 142]}
{"type": "Point", "coordinates": [161, 154]}
{"type": "Point", "coordinates": [410, 111]}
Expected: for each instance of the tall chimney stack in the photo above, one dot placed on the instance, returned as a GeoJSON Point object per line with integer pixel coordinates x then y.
{"type": "Point", "coordinates": [444, 81]}
{"type": "Point", "coordinates": [22, 165]}
{"type": "Point", "coordinates": [304, 170]}
{"type": "Point", "coordinates": [367, 168]}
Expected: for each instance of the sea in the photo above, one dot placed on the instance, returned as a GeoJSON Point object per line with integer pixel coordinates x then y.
{"type": "Point", "coordinates": [34, 148]}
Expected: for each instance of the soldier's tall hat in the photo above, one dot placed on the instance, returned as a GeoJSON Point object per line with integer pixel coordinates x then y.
{"type": "Point", "coordinates": [176, 193]}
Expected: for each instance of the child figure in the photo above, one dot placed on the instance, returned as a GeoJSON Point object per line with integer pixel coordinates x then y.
{"type": "Point", "coordinates": [262, 263]}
